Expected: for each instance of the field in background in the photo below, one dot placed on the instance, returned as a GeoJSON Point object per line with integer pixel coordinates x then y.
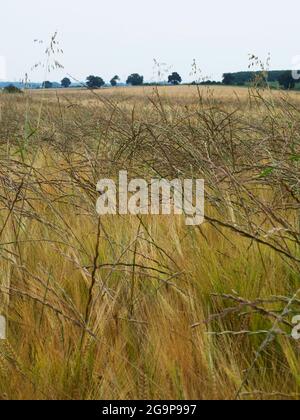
{"type": "Point", "coordinates": [177, 93]}
{"type": "Point", "coordinates": [140, 307]}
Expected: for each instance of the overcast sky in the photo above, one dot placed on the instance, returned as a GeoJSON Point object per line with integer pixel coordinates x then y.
{"type": "Point", "coordinates": [124, 36]}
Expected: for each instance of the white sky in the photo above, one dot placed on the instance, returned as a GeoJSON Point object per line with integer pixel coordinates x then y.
{"type": "Point", "coordinates": [124, 36]}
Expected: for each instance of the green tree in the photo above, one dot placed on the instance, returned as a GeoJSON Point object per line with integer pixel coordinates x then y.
{"type": "Point", "coordinates": [175, 78]}
{"type": "Point", "coordinates": [66, 82]}
{"type": "Point", "coordinates": [286, 80]}
{"type": "Point", "coordinates": [94, 82]}
{"type": "Point", "coordinates": [135, 80]}
{"type": "Point", "coordinates": [47, 85]}
{"type": "Point", "coordinates": [114, 81]}
{"type": "Point", "coordinates": [12, 89]}
{"type": "Point", "coordinates": [228, 79]}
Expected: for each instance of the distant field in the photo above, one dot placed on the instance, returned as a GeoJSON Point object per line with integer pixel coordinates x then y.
{"type": "Point", "coordinates": [178, 92]}
{"type": "Point", "coordinates": [178, 96]}
{"type": "Point", "coordinates": [144, 307]}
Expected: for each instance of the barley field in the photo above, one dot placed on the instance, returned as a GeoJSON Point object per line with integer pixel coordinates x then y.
{"type": "Point", "coordinates": [145, 307]}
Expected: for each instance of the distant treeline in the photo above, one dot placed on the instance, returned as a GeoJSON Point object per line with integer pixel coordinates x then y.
{"type": "Point", "coordinates": [275, 78]}
{"type": "Point", "coordinates": [283, 77]}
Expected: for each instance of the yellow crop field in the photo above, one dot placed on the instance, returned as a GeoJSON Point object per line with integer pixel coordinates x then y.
{"type": "Point", "coordinates": [143, 306]}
